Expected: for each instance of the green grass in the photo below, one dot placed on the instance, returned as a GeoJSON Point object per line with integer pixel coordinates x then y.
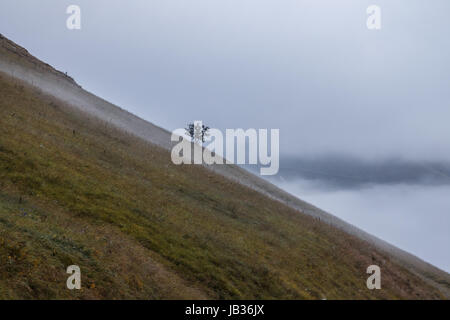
{"type": "Point", "coordinates": [74, 190]}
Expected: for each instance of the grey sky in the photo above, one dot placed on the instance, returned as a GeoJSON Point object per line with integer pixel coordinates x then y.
{"type": "Point", "coordinates": [310, 68]}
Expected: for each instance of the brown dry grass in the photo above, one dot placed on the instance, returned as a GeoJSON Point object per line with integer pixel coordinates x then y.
{"type": "Point", "coordinates": [74, 190]}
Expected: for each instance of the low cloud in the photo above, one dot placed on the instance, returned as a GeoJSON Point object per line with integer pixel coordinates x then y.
{"type": "Point", "coordinates": [413, 217]}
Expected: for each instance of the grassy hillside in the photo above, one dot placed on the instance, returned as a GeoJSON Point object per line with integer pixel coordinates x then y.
{"type": "Point", "coordinates": [74, 190]}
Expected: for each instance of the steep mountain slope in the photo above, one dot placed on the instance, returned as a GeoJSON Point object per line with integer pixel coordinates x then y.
{"type": "Point", "coordinates": [104, 195]}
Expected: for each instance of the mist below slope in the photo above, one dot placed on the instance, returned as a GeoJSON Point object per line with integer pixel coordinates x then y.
{"type": "Point", "coordinates": [404, 203]}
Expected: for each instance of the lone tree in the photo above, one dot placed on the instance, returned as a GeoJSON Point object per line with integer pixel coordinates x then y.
{"type": "Point", "coordinates": [197, 131]}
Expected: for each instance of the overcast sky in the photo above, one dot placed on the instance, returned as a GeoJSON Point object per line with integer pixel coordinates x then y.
{"type": "Point", "coordinates": [310, 68]}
